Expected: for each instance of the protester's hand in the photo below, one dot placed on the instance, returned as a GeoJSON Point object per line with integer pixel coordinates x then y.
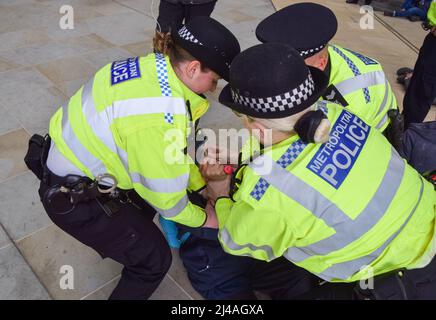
{"type": "Point", "coordinates": [218, 188]}
{"type": "Point", "coordinates": [211, 220]}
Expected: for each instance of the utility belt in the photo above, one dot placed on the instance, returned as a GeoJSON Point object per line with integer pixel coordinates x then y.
{"type": "Point", "coordinates": [61, 195]}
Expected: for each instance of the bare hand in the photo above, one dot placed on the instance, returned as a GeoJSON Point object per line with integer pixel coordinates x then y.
{"type": "Point", "coordinates": [218, 188]}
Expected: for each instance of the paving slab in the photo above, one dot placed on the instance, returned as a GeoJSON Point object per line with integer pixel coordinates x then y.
{"type": "Point", "coordinates": [17, 281]}
{"type": "Point", "coordinates": [48, 250]}
{"type": "Point", "coordinates": [21, 212]}
{"type": "Point", "coordinates": [13, 147]}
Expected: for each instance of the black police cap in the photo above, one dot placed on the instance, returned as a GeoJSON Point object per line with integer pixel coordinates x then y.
{"type": "Point", "coordinates": [271, 81]}
{"type": "Point", "coordinates": [210, 42]}
{"type": "Point", "coordinates": [308, 27]}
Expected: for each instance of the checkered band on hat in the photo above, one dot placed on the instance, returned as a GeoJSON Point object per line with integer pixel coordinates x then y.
{"type": "Point", "coordinates": [281, 102]}
{"type": "Point", "coordinates": [184, 33]}
{"type": "Point", "coordinates": [306, 53]}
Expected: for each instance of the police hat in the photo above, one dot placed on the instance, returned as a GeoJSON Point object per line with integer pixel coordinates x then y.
{"type": "Point", "coordinates": [308, 27]}
{"type": "Point", "coordinates": [210, 42]}
{"type": "Point", "coordinates": [271, 80]}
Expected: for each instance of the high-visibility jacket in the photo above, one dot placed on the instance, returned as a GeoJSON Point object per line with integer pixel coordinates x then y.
{"type": "Point", "coordinates": [431, 14]}
{"type": "Point", "coordinates": [332, 208]}
{"type": "Point", "coordinates": [132, 120]}
{"type": "Point", "coordinates": [363, 84]}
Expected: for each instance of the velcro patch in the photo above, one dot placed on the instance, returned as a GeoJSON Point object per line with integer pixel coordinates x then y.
{"type": "Point", "coordinates": [125, 70]}
{"type": "Point", "coordinates": [335, 159]}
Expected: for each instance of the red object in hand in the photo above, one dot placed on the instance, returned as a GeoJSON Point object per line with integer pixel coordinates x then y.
{"type": "Point", "coordinates": [228, 170]}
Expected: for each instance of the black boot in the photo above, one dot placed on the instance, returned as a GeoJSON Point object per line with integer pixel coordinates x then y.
{"type": "Point", "coordinates": [351, 1]}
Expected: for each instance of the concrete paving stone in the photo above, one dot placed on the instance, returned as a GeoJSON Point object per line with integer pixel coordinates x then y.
{"type": "Point", "coordinates": [100, 58]}
{"type": "Point", "coordinates": [109, 8]}
{"type": "Point", "coordinates": [17, 281]}
{"type": "Point", "coordinates": [431, 116]}
{"type": "Point", "coordinates": [412, 31]}
{"type": "Point", "coordinates": [26, 78]}
{"type": "Point", "coordinates": [21, 212]}
{"type": "Point", "coordinates": [34, 107]}
{"type": "Point", "coordinates": [13, 148]}
{"type": "Point", "coordinates": [70, 87]}
{"type": "Point", "coordinates": [142, 48]}
{"type": "Point", "coordinates": [9, 3]}
{"type": "Point", "coordinates": [6, 65]}
{"type": "Point", "coordinates": [7, 121]}
{"type": "Point", "coordinates": [117, 29]}
{"type": "Point", "coordinates": [22, 38]}
{"type": "Point", "coordinates": [143, 6]}
{"type": "Point", "coordinates": [4, 239]}
{"type": "Point", "coordinates": [104, 292]}
{"type": "Point", "coordinates": [169, 290]}
{"type": "Point", "coordinates": [53, 50]}
{"type": "Point", "coordinates": [48, 250]}
{"type": "Point", "coordinates": [90, 42]}
{"type": "Point", "coordinates": [67, 69]}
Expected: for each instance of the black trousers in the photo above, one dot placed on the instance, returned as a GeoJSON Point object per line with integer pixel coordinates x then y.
{"type": "Point", "coordinates": [421, 91]}
{"type": "Point", "coordinates": [416, 284]}
{"type": "Point", "coordinates": [216, 274]}
{"type": "Point", "coordinates": [129, 237]}
{"type": "Point", "coordinates": [171, 15]}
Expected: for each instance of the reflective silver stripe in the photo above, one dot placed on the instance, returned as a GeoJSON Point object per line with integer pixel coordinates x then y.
{"type": "Point", "coordinates": [227, 240]}
{"type": "Point", "coordinates": [385, 100]}
{"type": "Point", "coordinates": [299, 191]}
{"type": "Point", "coordinates": [150, 105]}
{"type": "Point", "coordinates": [347, 269]}
{"type": "Point", "coordinates": [351, 230]}
{"type": "Point", "coordinates": [162, 185]}
{"type": "Point", "coordinates": [98, 121]}
{"type": "Point", "coordinates": [82, 154]}
{"type": "Point", "coordinates": [174, 211]}
{"type": "Point", "coordinates": [360, 82]}
{"type": "Point", "coordinates": [382, 122]}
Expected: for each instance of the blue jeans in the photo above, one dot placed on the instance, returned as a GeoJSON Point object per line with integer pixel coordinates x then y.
{"type": "Point", "coordinates": [411, 10]}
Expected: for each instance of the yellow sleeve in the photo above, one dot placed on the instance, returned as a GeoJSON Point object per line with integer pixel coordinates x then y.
{"type": "Point", "coordinates": [160, 173]}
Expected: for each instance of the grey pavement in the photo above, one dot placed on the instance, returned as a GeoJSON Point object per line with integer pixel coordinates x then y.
{"type": "Point", "coordinates": [41, 65]}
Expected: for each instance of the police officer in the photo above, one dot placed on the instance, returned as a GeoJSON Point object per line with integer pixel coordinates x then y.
{"type": "Point", "coordinates": [173, 13]}
{"type": "Point", "coordinates": [117, 152]}
{"type": "Point", "coordinates": [421, 91]}
{"type": "Point", "coordinates": [345, 210]}
{"type": "Point", "coordinates": [355, 81]}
